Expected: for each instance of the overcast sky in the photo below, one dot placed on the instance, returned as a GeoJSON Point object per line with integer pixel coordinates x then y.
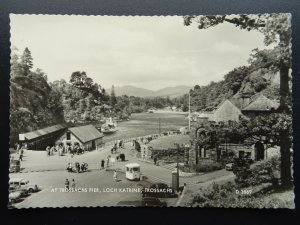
{"type": "Point", "coordinates": [147, 52]}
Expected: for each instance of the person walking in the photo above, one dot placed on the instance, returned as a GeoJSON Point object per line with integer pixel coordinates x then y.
{"type": "Point", "coordinates": [73, 184]}
{"type": "Point", "coordinates": [18, 148]}
{"type": "Point", "coordinates": [21, 156]}
{"type": "Point", "coordinates": [115, 175]}
{"type": "Point", "coordinates": [67, 184]}
{"type": "Point", "coordinates": [107, 162]}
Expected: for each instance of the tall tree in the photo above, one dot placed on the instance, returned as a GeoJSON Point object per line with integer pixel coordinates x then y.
{"type": "Point", "coordinates": [277, 30]}
{"type": "Point", "coordinates": [16, 67]}
{"type": "Point", "coordinates": [26, 61]}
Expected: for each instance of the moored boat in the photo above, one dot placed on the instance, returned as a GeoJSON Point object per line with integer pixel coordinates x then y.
{"type": "Point", "coordinates": [109, 127]}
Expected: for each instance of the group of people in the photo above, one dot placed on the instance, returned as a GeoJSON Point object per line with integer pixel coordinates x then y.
{"type": "Point", "coordinates": [61, 149]}
{"type": "Point", "coordinates": [119, 144]}
{"type": "Point", "coordinates": [68, 186]}
{"type": "Point", "coordinates": [78, 167]}
{"type": "Point", "coordinates": [76, 149]}
{"type": "Point", "coordinates": [20, 150]}
{"type": "Point", "coordinates": [105, 163]}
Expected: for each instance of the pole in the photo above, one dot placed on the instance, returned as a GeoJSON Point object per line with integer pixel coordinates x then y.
{"type": "Point", "coordinates": [178, 166]}
{"type": "Point", "coordinates": [189, 111]}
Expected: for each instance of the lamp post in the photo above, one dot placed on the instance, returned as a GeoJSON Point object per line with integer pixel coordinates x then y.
{"type": "Point", "coordinates": [175, 177]}
{"type": "Point", "coordinates": [189, 111]}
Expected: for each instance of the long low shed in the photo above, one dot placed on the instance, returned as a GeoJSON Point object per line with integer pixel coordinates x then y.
{"type": "Point", "coordinates": [40, 139]}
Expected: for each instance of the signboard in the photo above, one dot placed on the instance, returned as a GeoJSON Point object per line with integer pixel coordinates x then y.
{"type": "Point", "coordinates": [21, 137]}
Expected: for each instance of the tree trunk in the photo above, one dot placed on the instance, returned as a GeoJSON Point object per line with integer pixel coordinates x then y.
{"type": "Point", "coordinates": [286, 161]}
{"type": "Point", "coordinates": [284, 89]}
{"type": "Point", "coordinates": [285, 141]}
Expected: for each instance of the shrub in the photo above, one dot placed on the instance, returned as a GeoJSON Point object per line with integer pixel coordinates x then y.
{"type": "Point", "coordinates": [207, 166]}
{"type": "Point", "coordinates": [263, 172]}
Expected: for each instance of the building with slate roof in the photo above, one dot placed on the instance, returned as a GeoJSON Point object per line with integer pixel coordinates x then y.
{"type": "Point", "coordinates": [260, 105]}
{"type": "Point", "coordinates": [235, 108]}
{"type": "Point", "coordinates": [87, 136]}
{"type": "Point", "coordinates": [40, 139]}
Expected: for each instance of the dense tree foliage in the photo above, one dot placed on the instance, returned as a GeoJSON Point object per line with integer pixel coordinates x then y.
{"type": "Point", "coordinates": [244, 79]}
{"type": "Point", "coordinates": [26, 62]}
{"type": "Point", "coordinates": [277, 31]}
{"type": "Point", "coordinates": [33, 104]}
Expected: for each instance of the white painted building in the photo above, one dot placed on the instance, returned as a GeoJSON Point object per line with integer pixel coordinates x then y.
{"type": "Point", "coordinates": [87, 136]}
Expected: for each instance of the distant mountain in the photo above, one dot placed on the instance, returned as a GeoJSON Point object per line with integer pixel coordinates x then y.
{"type": "Point", "coordinates": [131, 91]}
{"type": "Point", "coordinates": [142, 92]}
{"type": "Point", "coordinates": [173, 91]}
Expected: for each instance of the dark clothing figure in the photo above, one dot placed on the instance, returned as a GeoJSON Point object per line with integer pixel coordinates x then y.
{"type": "Point", "coordinates": [77, 166]}
{"type": "Point", "coordinates": [155, 161]}
{"type": "Point", "coordinates": [67, 184]}
{"type": "Point", "coordinates": [48, 150]}
{"type": "Point", "coordinates": [102, 164]}
{"type": "Point", "coordinates": [21, 157]}
{"type": "Point", "coordinates": [70, 168]}
{"type": "Point", "coordinates": [82, 167]}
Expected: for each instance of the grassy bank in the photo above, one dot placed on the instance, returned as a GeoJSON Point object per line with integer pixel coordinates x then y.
{"type": "Point", "coordinates": [166, 142]}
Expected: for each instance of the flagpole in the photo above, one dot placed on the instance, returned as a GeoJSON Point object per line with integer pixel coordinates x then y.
{"type": "Point", "coordinates": [189, 111]}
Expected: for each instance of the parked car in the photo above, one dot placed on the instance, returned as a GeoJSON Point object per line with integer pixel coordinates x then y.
{"type": "Point", "coordinates": [21, 183]}
{"type": "Point", "coordinates": [15, 195]}
{"type": "Point", "coordinates": [159, 190]}
{"type": "Point", "coordinates": [14, 166]}
{"type": "Point", "coordinates": [150, 201]}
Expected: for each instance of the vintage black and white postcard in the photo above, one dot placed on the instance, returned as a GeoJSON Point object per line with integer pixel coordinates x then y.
{"type": "Point", "coordinates": [164, 111]}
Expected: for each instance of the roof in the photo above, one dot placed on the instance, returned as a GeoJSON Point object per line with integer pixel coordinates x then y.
{"type": "Point", "coordinates": [38, 133]}
{"type": "Point", "coordinates": [15, 179]}
{"type": "Point", "coordinates": [261, 103]}
{"type": "Point", "coordinates": [133, 165]}
{"type": "Point", "coordinates": [86, 133]}
{"type": "Point", "coordinates": [237, 102]}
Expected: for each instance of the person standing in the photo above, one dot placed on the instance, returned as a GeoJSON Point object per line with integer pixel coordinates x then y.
{"type": "Point", "coordinates": [73, 184]}
{"type": "Point", "coordinates": [52, 150]}
{"type": "Point", "coordinates": [48, 150]}
{"type": "Point", "coordinates": [107, 161]}
{"type": "Point", "coordinates": [67, 184]}
{"type": "Point", "coordinates": [115, 175]}
{"type": "Point", "coordinates": [21, 156]}
{"type": "Point", "coordinates": [102, 164]}
{"type": "Point", "coordinates": [18, 148]}
{"type": "Point", "coordinates": [155, 160]}
{"type": "Point", "coordinates": [82, 167]}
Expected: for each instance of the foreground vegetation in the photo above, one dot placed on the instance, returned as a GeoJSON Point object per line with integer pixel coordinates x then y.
{"type": "Point", "coordinates": [254, 187]}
